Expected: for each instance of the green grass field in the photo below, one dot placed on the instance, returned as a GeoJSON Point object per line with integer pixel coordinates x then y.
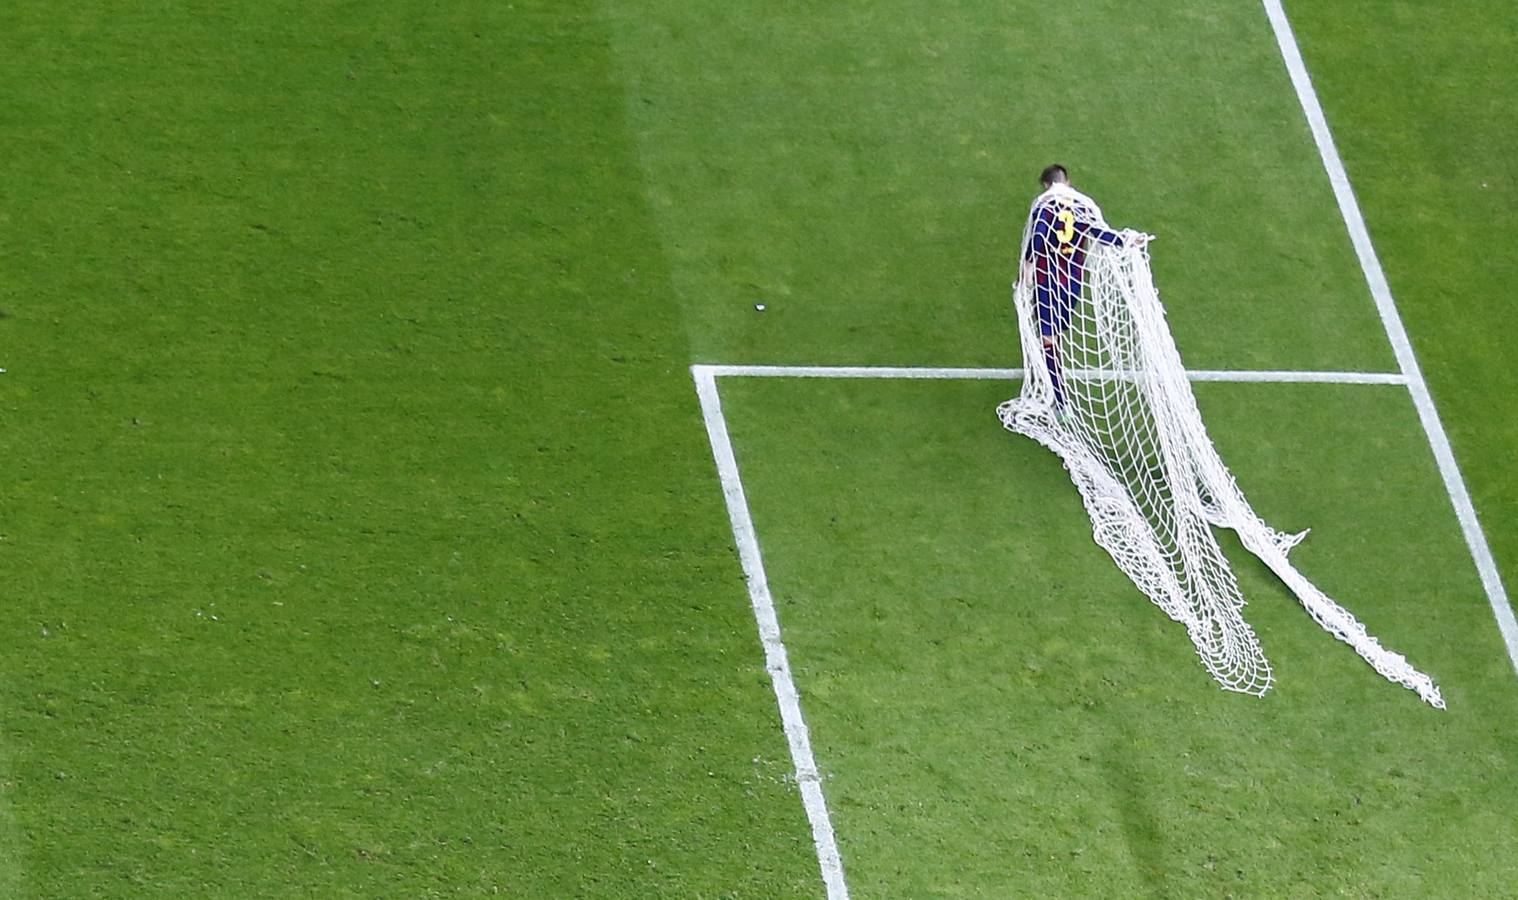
{"type": "Point", "coordinates": [363, 538]}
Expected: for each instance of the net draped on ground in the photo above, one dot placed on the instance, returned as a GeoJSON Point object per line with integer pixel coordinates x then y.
{"type": "Point", "coordinates": [1113, 401]}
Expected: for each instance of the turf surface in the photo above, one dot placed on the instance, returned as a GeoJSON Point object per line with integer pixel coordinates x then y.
{"type": "Point", "coordinates": [864, 171]}
{"type": "Point", "coordinates": [362, 539]}
{"type": "Point", "coordinates": [998, 713]}
{"type": "Point", "coordinates": [1419, 107]}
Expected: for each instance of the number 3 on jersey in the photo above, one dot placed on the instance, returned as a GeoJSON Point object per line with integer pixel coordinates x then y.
{"type": "Point", "coordinates": [1066, 231]}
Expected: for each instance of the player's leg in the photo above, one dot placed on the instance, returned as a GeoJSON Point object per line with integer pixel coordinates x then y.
{"type": "Point", "coordinates": [1051, 362]}
{"type": "Point", "coordinates": [1050, 326]}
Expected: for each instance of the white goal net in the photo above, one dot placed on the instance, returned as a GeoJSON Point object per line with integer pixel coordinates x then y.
{"type": "Point", "coordinates": [1105, 390]}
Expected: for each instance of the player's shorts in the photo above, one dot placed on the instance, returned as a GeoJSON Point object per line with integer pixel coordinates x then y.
{"type": "Point", "coordinates": [1054, 307]}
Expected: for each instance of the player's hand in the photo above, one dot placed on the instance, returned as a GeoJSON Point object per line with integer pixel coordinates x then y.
{"type": "Point", "coordinates": [1136, 238]}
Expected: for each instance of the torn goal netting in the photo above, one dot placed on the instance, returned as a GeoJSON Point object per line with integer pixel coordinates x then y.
{"type": "Point", "coordinates": [1105, 390]}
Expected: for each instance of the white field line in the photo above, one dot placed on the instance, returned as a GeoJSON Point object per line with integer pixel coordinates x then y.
{"type": "Point", "coordinates": [953, 373]}
{"type": "Point", "coordinates": [1349, 208]}
{"type": "Point", "coordinates": [775, 657]}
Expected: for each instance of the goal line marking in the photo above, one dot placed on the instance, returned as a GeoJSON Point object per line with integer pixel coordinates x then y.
{"type": "Point", "coordinates": [1396, 333]}
{"type": "Point", "coordinates": [951, 373]}
{"type": "Point", "coordinates": [776, 660]}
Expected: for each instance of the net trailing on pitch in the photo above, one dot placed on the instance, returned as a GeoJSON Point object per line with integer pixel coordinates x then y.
{"type": "Point", "coordinates": [1106, 391]}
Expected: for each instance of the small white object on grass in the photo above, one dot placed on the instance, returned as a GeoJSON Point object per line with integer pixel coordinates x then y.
{"type": "Point", "coordinates": [758, 306]}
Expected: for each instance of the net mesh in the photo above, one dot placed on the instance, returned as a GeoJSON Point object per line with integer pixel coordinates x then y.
{"type": "Point", "coordinates": [1106, 391]}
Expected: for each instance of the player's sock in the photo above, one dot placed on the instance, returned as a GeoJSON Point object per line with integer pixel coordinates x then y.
{"type": "Point", "coordinates": [1051, 361]}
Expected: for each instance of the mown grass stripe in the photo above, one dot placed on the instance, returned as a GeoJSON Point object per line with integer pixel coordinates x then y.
{"type": "Point", "coordinates": [1396, 333]}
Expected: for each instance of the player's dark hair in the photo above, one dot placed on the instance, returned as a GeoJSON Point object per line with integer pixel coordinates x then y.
{"type": "Point", "coordinates": [1055, 174]}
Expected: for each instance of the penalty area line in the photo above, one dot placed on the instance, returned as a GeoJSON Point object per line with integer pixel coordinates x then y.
{"type": "Point", "coordinates": [776, 660]}
{"type": "Point", "coordinates": [1396, 332]}
{"type": "Point", "coordinates": [956, 373]}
